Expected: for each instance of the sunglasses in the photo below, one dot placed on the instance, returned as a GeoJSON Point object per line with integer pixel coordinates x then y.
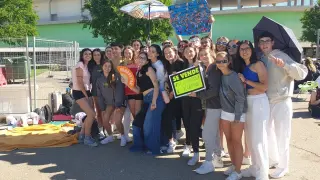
{"type": "Point", "coordinates": [233, 46]}
{"type": "Point", "coordinates": [222, 43]}
{"type": "Point", "coordinates": [222, 62]}
{"type": "Point", "coordinates": [194, 40]}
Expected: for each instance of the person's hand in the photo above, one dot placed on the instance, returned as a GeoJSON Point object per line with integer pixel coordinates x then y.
{"type": "Point", "coordinates": [242, 78]}
{"type": "Point", "coordinates": [211, 19]}
{"type": "Point", "coordinates": [193, 94]}
{"type": "Point", "coordinates": [171, 95]}
{"type": "Point", "coordinates": [279, 62]}
{"type": "Point", "coordinates": [124, 81]}
{"type": "Point", "coordinates": [197, 63]}
{"type": "Point", "coordinates": [153, 106]}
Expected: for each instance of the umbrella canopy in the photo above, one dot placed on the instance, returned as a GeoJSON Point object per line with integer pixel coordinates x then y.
{"type": "Point", "coordinates": [149, 9]}
{"type": "Point", "coordinates": [284, 38]}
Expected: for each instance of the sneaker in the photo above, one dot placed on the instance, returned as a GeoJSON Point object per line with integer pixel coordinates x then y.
{"type": "Point", "coordinates": [179, 134]}
{"type": "Point", "coordinates": [248, 172]}
{"type": "Point", "coordinates": [123, 141]}
{"type": "Point", "coordinates": [107, 140]}
{"type": "Point", "coordinates": [229, 170]}
{"type": "Point", "coordinates": [172, 147]}
{"type": "Point", "coordinates": [186, 151]}
{"type": "Point", "coordinates": [80, 138]}
{"type": "Point", "coordinates": [217, 162]}
{"type": "Point", "coordinates": [194, 160]}
{"type": "Point", "coordinates": [246, 161]}
{"type": "Point", "coordinates": [101, 135]}
{"type": "Point", "coordinates": [279, 173]}
{"type": "Point", "coordinates": [128, 139]}
{"type": "Point", "coordinates": [89, 141]}
{"type": "Point", "coordinates": [205, 168]}
{"type": "Point", "coordinates": [224, 154]}
{"type": "Point", "coordinates": [234, 176]}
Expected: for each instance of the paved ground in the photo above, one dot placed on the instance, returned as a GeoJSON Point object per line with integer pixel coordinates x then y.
{"type": "Point", "coordinates": [112, 162]}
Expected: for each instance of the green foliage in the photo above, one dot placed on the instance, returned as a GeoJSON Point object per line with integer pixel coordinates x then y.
{"type": "Point", "coordinates": [311, 23]}
{"type": "Point", "coordinates": [17, 19]}
{"type": "Point", "coordinates": [113, 25]}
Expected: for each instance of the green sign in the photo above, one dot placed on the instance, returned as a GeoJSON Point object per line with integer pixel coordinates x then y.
{"type": "Point", "coordinates": [187, 81]}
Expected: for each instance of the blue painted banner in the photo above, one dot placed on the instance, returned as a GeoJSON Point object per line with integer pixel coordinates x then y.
{"type": "Point", "coordinates": [190, 18]}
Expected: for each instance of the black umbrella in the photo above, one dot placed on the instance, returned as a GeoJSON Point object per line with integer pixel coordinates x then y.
{"type": "Point", "coordinates": [284, 38]}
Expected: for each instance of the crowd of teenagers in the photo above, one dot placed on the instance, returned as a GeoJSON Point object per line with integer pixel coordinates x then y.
{"type": "Point", "coordinates": [246, 95]}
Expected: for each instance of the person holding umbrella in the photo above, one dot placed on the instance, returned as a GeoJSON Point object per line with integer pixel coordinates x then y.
{"type": "Point", "coordinates": [282, 71]}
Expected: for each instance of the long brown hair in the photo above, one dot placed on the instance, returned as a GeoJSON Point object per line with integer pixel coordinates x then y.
{"type": "Point", "coordinates": [111, 76]}
{"type": "Point", "coordinates": [133, 55]}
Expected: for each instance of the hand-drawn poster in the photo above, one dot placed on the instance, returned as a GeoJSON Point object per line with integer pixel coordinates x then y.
{"type": "Point", "coordinates": [190, 18]}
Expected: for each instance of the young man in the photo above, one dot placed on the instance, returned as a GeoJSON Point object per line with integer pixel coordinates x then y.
{"type": "Point", "coordinates": [282, 71]}
{"type": "Point", "coordinates": [117, 49]}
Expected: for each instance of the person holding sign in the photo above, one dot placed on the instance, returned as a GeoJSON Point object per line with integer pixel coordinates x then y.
{"type": "Point", "coordinates": [210, 133]}
{"type": "Point", "coordinates": [192, 114]}
{"type": "Point", "coordinates": [173, 110]}
{"type": "Point", "coordinates": [233, 103]}
{"type": "Point", "coordinates": [148, 85]}
{"type": "Point", "coordinates": [282, 70]}
{"type": "Point", "coordinates": [109, 100]}
{"type": "Point", "coordinates": [255, 77]}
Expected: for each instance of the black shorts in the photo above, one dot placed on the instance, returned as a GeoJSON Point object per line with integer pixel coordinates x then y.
{"type": "Point", "coordinates": [135, 97]}
{"type": "Point", "coordinates": [79, 95]}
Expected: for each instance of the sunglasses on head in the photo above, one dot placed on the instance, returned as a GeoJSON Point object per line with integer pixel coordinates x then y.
{"type": "Point", "coordinates": [222, 43]}
{"type": "Point", "coordinates": [233, 46]}
{"type": "Point", "coordinates": [222, 61]}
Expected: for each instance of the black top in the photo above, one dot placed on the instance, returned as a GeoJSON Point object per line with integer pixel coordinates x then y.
{"type": "Point", "coordinates": [143, 80]}
{"type": "Point", "coordinates": [176, 66]}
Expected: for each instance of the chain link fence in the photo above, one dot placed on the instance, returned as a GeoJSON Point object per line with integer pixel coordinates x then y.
{"type": "Point", "coordinates": [30, 69]}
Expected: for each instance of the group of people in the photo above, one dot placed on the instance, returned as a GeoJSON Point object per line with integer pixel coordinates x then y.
{"type": "Point", "coordinates": [244, 93]}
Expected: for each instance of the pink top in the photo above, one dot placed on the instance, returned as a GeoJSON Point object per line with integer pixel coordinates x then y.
{"type": "Point", "coordinates": [86, 77]}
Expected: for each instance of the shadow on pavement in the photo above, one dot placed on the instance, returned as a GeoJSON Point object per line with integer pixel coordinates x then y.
{"type": "Point", "coordinates": [110, 162]}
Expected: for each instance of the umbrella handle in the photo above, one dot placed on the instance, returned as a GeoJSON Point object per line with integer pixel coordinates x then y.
{"type": "Point", "coordinates": [149, 21]}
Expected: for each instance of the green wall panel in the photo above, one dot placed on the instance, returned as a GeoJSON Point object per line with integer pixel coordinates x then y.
{"type": "Point", "coordinates": [234, 26]}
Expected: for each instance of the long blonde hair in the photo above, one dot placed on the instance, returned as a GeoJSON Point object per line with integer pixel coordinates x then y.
{"type": "Point", "coordinates": [310, 65]}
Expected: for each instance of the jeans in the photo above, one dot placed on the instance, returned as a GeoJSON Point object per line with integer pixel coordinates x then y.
{"type": "Point", "coordinates": [137, 129]}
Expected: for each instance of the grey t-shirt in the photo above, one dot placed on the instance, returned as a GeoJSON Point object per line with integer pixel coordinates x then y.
{"type": "Point", "coordinates": [233, 95]}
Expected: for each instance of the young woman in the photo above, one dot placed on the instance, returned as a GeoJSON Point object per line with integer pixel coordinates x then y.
{"type": "Point", "coordinates": [148, 85]}
{"type": "Point", "coordinates": [206, 42]}
{"type": "Point", "coordinates": [95, 69]}
{"type": "Point", "coordinates": [254, 76]}
{"type": "Point", "coordinates": [192, 115]}
{"type": "Point", "coordinates": [109, 100]}
{"type": "Point", "coordinates": [221, 44]}
{"type": "Point", "coordinates": [210, 133]}
{"type": "Point", "coordinates": [173, 110]}
{"type": "Point", "coordinates": [233, 103]}
{"type": "Point", "coordinates": [161, 65]}
{"type": "Point", "coordinates": [82, 95]}
{"type": "Point", "coordinates": [136, 44]}
{"type": "Point", "coordinates": [181, 45]}
{"type": "Point", "coordinates": [108, 53]}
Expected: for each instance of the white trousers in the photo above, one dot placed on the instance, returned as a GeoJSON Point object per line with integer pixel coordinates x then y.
{"type": "Point", "coordinates": [256, 125]}
{"type": "Point", "coordinates": [211, 133]}
{"type": "Point", "coordinates": [126, 121]}
{"type": "Point", "coordinates": [279, 133]}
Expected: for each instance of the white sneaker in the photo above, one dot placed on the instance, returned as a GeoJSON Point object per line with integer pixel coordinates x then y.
{"type": "Point", "coordinates": [179, 134]}
{"type": "Point", "coordinates": [205, 168]}
{"type": "Point", "coordinates": [194, 160]}
{"type": "Point", "coordinates": [229, 170]}
{"type": "Point", "coordinates": [123, 141]}
{"type": "Point", "coordinates": [224, 154]}
{"type": "Point", "coordinates": [279, 173]}
{"type": "Point", "coordinates": [248, 172]}
{"type": "Point", "coordinates": [186, 151]}
{"type": "Point", "coordinates": [234, 176]}
{"type": "Point", "coordinates": [217, 162]}
{"type": "Point", "coordinates": [172, 147]}
{"type": "Point", "coordinates": [107, 140]}
{"type": "Point", "coordinates": [246, 161]}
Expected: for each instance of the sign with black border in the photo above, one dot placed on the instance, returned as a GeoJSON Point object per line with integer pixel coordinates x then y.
{"type": "Point", "coordinates": [186, 81]}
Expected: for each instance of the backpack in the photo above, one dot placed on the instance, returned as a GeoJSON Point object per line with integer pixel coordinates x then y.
{"type": "Point", "coordinates": [47, 112]}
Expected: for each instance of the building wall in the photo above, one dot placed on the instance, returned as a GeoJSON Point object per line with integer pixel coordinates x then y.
{"type": "Point", "coordinates": [234, 26]}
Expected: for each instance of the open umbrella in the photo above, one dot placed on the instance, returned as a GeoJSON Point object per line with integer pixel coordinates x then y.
{"type": "Point", "coordinates": [284, 38]}
{"type": "Point", "coordinates": [148, 9]}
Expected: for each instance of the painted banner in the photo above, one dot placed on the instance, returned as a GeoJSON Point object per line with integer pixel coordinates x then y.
{"type": "Point", "coordinates": [127, 74]}
{"type": "Point", "coordinates": [190, 18]}
{"type": "Point", "coordinates": [187, 81]}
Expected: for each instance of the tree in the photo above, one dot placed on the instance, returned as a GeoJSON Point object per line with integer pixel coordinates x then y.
{"type": "Point", "coordinates": [17, 19]}
{"type": "Point", "coordinates": [113, 25]}
{"type": "Point", "coordinates": [311, 23]}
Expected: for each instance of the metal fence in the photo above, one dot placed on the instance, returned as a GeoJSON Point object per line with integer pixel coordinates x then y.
{"type": "Point", "coordinates": [30, 69]}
